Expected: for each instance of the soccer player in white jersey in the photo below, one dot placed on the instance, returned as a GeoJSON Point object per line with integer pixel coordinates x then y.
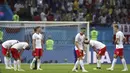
{"type": "Point", "coordinates": [99, 48]}
{"type": "Point", "coordinates": [79, 48]}
{"type": "Point", "coordinates": [16, 51]}
{"type": "Point", "coordinates": [119, 48]}
{"type": "Point", "coordinates": [37, 47]}
{"type": "Point", "coordinates": [6, 52]}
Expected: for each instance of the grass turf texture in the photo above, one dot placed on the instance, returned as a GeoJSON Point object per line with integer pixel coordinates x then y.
{"type": "Point", "coordinates": [65, 68]}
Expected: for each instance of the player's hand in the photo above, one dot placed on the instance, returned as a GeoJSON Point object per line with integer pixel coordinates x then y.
{"type": "Point", "coordinates": [33, 49]}
{"type": "Point", "coordinates": [79, 50]}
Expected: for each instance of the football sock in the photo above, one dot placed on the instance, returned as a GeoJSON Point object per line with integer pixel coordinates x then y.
{"type": "Point", "coordinates": [124, 63]}
{"type": "Point", "coordinates": [113, 63]}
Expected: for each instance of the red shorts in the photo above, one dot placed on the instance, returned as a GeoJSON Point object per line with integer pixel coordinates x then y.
{"type": "Point", "coordinates": [4, 51]}
{"type": "Point", "coordinates": [79, 54]}
{"type": "Point", "coordinates": [34, 53]}
{"type": "Point", "coordinates": [102, 51]}
{"type": "Point", "coordinates": [38, 52]}
{"type": "Point", "coordinates": [119, 52]}
{"type": "Point", "coordinates": [15, 53]}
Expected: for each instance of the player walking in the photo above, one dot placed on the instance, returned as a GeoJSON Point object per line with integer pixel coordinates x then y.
{"type": "Point", "coordinates": [6, 52]}
{"type": "Point", "coordinates": [99, 48]}
{"type": "Point", "coordinates": [119, 48]}
{"type": "Point", "coordinates": [37, 47]}
{"type": "Point", "coordinates": [79, 42]}
{"type": "Point", "coordinates": [21, 46]}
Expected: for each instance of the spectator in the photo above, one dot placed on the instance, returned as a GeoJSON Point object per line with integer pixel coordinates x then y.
{"type": "Point", "coordinates": [15, 17]}
{"type": "Point", "coordinates": [70, 6]}
{"type": "Point", "coordinates": [33, 10]}
{"type": "Point", "coordinates": [81, 3]}
{"type": "Point", "coordinates": [43, 16]}
{"type": "Point", "coordinates": [36, 17]}
{"type": "Point", "coordinates": [102, 19]}
{"type": "Point", "coordinates": [57, 16]}
{"type": "Point", "coordinates": [94, 34]}
{"type": "Point", "coordinates": [49, 43]}
{"type": "Point", "coordinates": [1, 36]}
{"type": "Point", "coordinates": [18, 6]}
{"type": "Point", "coordinates": [76, 6]}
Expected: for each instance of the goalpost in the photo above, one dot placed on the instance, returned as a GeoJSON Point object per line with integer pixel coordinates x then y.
{"type": "Point", "coordinates": [63, 32]}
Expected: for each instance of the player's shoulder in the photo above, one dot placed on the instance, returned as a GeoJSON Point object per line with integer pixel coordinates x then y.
{"type": "Point", "coordinates": [119, 33]}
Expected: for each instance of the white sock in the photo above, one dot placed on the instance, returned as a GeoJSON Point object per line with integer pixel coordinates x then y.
{"type": "Point", "coordinates": [10, 64]}
{"type": "Point", "coordinates": [124, 63]}
{"type": "Point", "coordinates": [76, 64]}
{"type": "Point", "coordinates": [15, 65]}
{"type": "Point", "coordinates": [82, 64]}
{"type": "Point", "coordinates": [38, 63]}
{"type": "Point", "coordinates": [98, 63]}
{"type": "Point", "coordinates": [19, 64]}
{"type": "Point", "coordinates": [113, 63]}
{"type": "Point", "coordinates": [34, 59]}
{"type": "Point", "coordinates": [6, 61]}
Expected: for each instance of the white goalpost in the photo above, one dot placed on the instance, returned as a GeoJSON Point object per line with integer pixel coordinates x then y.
{"type": "Point", "coordinates": [62, 31]}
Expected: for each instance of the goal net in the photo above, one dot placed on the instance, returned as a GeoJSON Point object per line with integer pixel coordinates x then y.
{"type": "Point", "coordinates": [62, 33]}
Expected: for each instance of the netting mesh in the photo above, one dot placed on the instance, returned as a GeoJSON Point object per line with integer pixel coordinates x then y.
{"type": "Point", "coordinates": [63, 35]}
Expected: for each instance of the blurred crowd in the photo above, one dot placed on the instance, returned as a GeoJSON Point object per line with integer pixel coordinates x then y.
{"type": "Point", "coordinates": [98, 12]}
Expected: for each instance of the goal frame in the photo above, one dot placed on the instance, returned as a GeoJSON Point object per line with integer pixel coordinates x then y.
{"type": "Point", "coordinates": [50, 23]}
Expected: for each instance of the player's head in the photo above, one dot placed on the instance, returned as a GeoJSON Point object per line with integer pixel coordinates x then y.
{"type": "Point", "coordinates": [86, 41]}
{"type": "Point", "coordinates": [37, 29]}
{"type": "Point", "coordinates": [82, 31]}
{"type": "Point", "coordinates": [115, 27]}
{"type": "Point", "coordinates": [27, 46]}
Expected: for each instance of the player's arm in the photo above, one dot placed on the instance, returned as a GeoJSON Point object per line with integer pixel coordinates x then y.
{"type": "Point", "coordinates": [95, 49]}
{"type": "Point", "coordinates": [117, 38]}
{"type": "Point", "coordinates": [34, 44]}
{"type": "Point", "coordinates": [76, 44]}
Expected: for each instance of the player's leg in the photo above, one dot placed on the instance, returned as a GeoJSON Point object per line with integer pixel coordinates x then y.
{"type": "Point", "coordinates": [17, 61]}
{"type": "Point", "coordinates": [113, 63]}
{"type": "Point", "coordinates": [123, 60]}
{"type": "Point", "coordinates": [6, 61]}
{"type": "Point", "coordinates": [38, 60]}
{"type": "Point", "coordinates": [81, 62]}
{"type": "Point", "coordinates": [124, 63]}
{"type": "Point", "coordinates": [10, 63]}
{"type": "Point", "coordinates": [77, 61]}
{"type": "Point", "coordinates": [34, 59]}
{"type": "Point", "coordinates": [76, 65]}
{"type": "Point", "coordinates": [98, 62]}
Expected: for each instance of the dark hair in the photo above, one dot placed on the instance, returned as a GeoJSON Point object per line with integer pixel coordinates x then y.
{"type": "Point", "coordinates": [116, 26]}
{"type": "Point", "coordinates": [35, 29]}
{"type": "Point", "coordinates": [83, 28]}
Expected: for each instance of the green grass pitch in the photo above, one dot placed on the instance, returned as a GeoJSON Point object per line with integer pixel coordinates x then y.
{"type": "Point", "coordinates": [65, 68]}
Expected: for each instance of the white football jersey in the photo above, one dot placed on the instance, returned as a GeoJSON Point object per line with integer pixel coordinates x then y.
{"type": "Point", "coordinates": [7, 44]}
{"type": "Point", "coordinates": [80, 39]}
{"type": "Point", "coordinates": [96, 44]}
{"type": "Point", "coordinates": [38, 38]}
{"type": "Point", "coordinates": [20, 45]}
{"type": "Point", "coordinates": [120, 36]}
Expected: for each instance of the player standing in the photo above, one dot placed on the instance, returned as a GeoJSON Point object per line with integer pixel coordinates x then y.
{"type": "Point", "coordinates": [99, 48]}
{"type": "Point", "coordinates": [6, 52]}
{"type": "Point", "coordinates": [79, 42]}
{"type": "Point", "coordinates": [21, 46]}
{"type": "Point", "coordinates": [37, 47]}
{"type": "Point", "coordinates": [119, 48]}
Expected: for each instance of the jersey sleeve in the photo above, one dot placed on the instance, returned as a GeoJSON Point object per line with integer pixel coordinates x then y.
{"type": "Point", "coordinates": [76, 38]}
{"type": "Point", "coordinates": [25, 46]}
{"type": "Point", "coordinates": [33, 37]}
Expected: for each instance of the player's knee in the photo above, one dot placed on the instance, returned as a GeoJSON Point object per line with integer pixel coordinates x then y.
{"type": "Point", "coordinates": [115, 56]}
{"type": "Point", "coordinates": [121, 57]}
